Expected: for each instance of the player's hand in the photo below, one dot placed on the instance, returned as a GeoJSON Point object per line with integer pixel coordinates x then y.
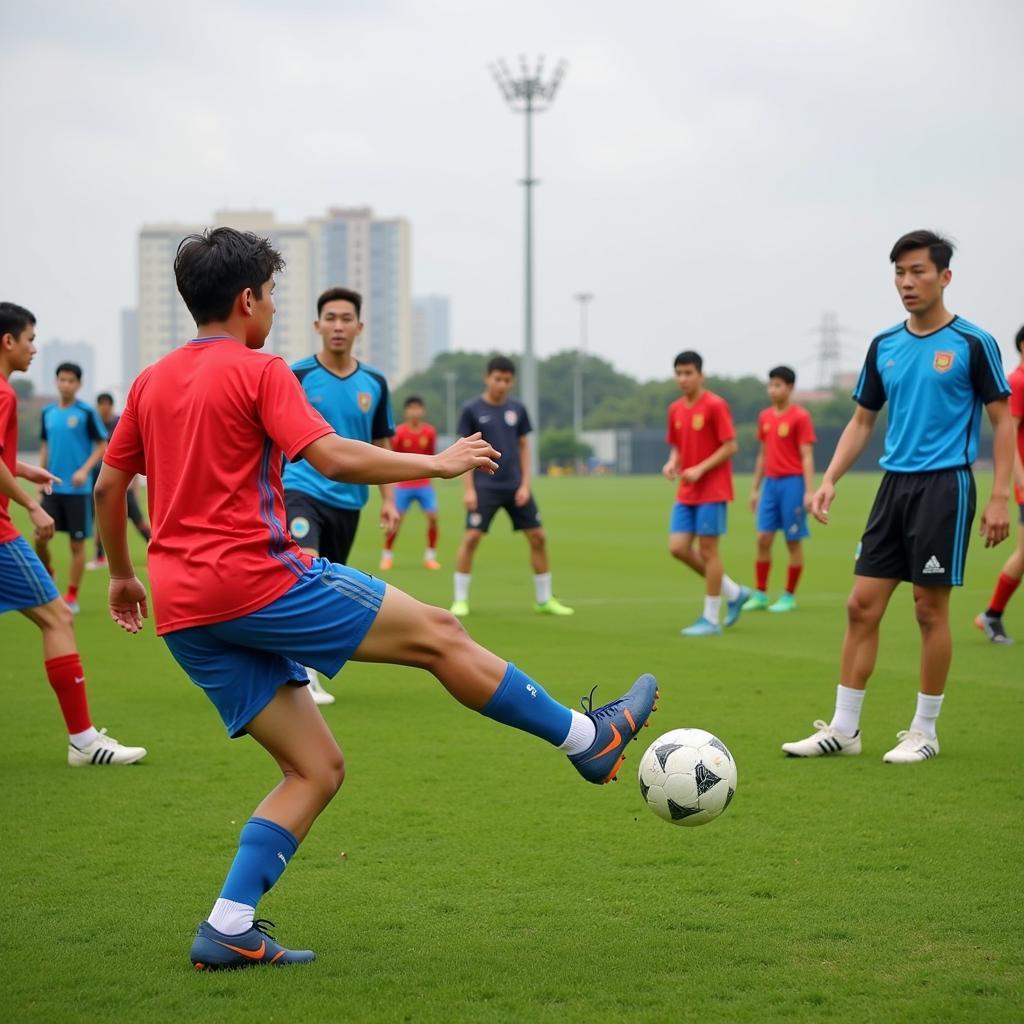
{"type": "Point", "coordinates": [808, 498]}
{"type": "Point", "coordinates": [127, 602]}
{"type": "Point", "coordinates": [389, 517]}
{"type": "Point", "coordinates": [821, 502]}
{"type": "Point", "coordinates": [470, 501]}
{"type": "Point", "coordinates": [43, 478]}
{"type": "Point", "coordinates": [467, 453]}
{"type": "Point", "coordinates": [42, 521]}
{"type": "Point", "coordinates": [522, 495]}
{"type": "Point", "coordinates": [691, 475]}
{"type": "Point", "coordinates": [670, 471]}
{"type": "Point", "coordinates": [755, 497]}
{"type": "Point", "coordinates": [79, 478]}
{"type": "Point", "coordinates": [995, 522]}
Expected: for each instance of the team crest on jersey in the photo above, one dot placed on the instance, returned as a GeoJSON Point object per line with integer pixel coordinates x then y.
{"type": "Point", "coordinates": [783, 430]}
{"type": "Point", "coordinates": [423, 441]}
{"type": "Point", "coordinates": [365, 400]}
{"type": "Point", "coordinates": [698, 421]}
{"type": "Point", "coordinates": [942, 361]}
{"type": "Point", "coordinates": [299, 527]}
{"type": "Point", "coordinates": [511, 417]}
{"type": "Point", "coordinates": [72, 422]}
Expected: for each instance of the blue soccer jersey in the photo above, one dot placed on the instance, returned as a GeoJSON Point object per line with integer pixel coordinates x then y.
{"type": "Point", "coordinates": [70, 432]}
{"type": "Point", "coordinates": [935, 386]}
{"type": "Point", "coordinates": [357, 407]}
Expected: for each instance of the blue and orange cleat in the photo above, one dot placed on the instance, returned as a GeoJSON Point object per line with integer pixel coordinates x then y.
{"type": "Point", "coordinates": [214, 951]}
{"type": "Point", "coordinates": [735, 608]}
{"type": "Point", "coordinates": [617, 723]}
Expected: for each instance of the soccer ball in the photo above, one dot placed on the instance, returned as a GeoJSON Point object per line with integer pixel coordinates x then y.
{"type": "Point", "coordinates": [687, 777]}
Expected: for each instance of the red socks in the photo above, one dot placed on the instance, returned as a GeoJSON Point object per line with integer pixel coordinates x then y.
{"type": "Point", "coordinates": [432, 536]}
{"type": "Point", "coordinates": [1005, 586]}
{"type": "Point", "coordinates": [793, 577]}
{"type": "Point", "coordinates": [68, 681]}
{"type": "Point", "coordinates": [761, 572]}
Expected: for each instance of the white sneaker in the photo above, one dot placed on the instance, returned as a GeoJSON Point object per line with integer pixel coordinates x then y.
{"type": "Point", "coordinates": [913, 745]}
{"type": "Point", "coordinates": [320, 695]}
{"type": "Point", "coordinates": [104, 750]}
{"type": "Point", "coordinates": [824, 742]}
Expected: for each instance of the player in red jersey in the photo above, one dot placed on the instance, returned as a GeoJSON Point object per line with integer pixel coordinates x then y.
{"type": "Point", "coordinates": [990, 621]}
{"type": "Point", "coordinates": [786, 465]}
{"type": "Point", "coordinates": [25, 585]}
{"type": "Point", "coordinates": [242, 608]}
{"type": "Point", "coordinates": [414, 436]}
{"type": "Point", "coordinates": [703, 442]}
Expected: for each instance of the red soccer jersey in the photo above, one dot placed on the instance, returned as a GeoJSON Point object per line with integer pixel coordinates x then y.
{"type": "Point", "coordinates": [8, 452]}
{"type": "Point", "coordinates": [416, 442]}
{"type": "Point", "coordinates": [782, 437]}
{"type": "Point", "coordinates": [697, 431]}
{"type": "Point", "coordinates": [1017, 409]}
{"type": "Point", "coordinates": [207, 425]}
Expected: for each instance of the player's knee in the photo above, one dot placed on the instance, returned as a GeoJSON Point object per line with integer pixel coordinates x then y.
{"type": "Point", "coordinates": [928, 612]}
{"type": "Point", "coordinates": [860, 611]}
{"type": "Point", "coordinates": [329, 774]}
{"type": "Point", "coordinates": [678, 547]}
{"type": "Point", "coordinates": [537, 539]}
{"type": "Point", "coordinates": [708, 547]}
{"type": "Point", "coordinates": [57, 618]}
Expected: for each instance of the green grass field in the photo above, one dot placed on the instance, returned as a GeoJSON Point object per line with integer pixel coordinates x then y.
{"type": "Point", "coordinates": [466, 873]}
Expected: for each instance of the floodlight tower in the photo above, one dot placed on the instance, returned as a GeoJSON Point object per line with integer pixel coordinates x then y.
{"type": "Point", "coordinates": [529, 93]}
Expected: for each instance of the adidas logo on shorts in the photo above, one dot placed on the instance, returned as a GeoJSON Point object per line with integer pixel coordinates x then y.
{"type": "Point", "coordinates": [933, 566]}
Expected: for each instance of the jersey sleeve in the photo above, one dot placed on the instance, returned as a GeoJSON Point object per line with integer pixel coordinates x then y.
{"type": "Point", "coordinates": [524, 426]}
{"type": "Point", "coordinates": [383, 421]}
{"type": "Point", "coordinates": [467, 422]}
{"type": "Point", "coordinates": [870, 390]}
{"type": "Point", "coordinates": [724, 428]}
{"type": "Point", "coordinates": [670, 429]}
{"type": "Point", "coordinates": [805, 429]}
{"type": "Point", "coordinates": [284, 410]}
{"type": "Point", "coordinates": [126, 451]}
{"type": "Point", "coordinates": [94, 426]}
{"type": "Point", "coordinates": [8, 410]}
{"type": "Point", "coordinates": [987, 374]}
{"type": "Point", "coordinates": [42, 426]}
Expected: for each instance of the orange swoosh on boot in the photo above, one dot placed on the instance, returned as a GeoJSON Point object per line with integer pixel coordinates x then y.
{"type": "Point", "coordinates": [252, 954]}
{"type": "Point", "coordinates": [611, 746]}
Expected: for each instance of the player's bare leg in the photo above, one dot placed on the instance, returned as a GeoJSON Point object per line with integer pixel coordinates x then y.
{"type": "Point", "coordinates": [681, 546]}
{"type": "Point", "coordinates": [75, 574]}
{"type": "Point", "coordinates": [463, 571]}
{"type": "Point", "coordinates": [56, 626]}
{"type": "Point", "coordinates": [864, 610]}
{"type": "Point", "coordinates": [931, 608]}
{"type": "Point", "coordinates": [990, 621]}
{"type": "Point", "coordinates": [713, 570]}
{"type": "Point", "coordinates": [544, 601]}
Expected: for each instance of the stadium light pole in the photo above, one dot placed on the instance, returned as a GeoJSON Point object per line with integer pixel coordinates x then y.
{"type": "Point", "coordinates": [449, 380]}
{"type": "Point", "coordinates": [529, 93]}
{"type": "Point", "coordinates": [583, 298]}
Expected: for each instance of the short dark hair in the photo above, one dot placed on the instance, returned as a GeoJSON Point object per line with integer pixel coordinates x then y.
{"type": "Point", "coordinates": [689, 358]}
{"type": "Point", "coordinates": [1019, 340]}
{"type": "Point", "coordinates": [500, 364]}
{"type": "Point", "coordinates": [212, 268]}
{"type": "Point", "coordinates": [413, 400]}
{"type": "Point", "coordinates": [340, 295]}
{"type": "Point", "coordinates": [14, 318]}
{"type": "Point", "coordinates": [105, 396]}
{"type": "Point", "coordinates": [939, 249]}
{"type": "Point", "coordinates": [69, 368]}
{"type": "Point", "coordinates": [783, 373]}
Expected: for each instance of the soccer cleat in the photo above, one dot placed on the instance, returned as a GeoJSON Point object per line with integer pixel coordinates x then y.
{"type": "Point", "coordinates": [431, 563]}
{"type": "Point", "coordinates": [617, 723]}
{"type": "Point", "coordinates": [386, 562]}
{"type": "Point", "coordinates": [992, 627]}
{"type": "Point", "coordinates": [552, 606]}
{"type": "Point", "coordinates": [757, 602]}
{"type": "Point", "coordinates": [913, 745]}
{"type": "Point", "coordinates": [823, 743]}
{"type": "Point", "coordinates": [735, 608]}
{"type": "Point", "coordinates": [785, 603]}
{"type": "Point", "coordinates": [97, 563]}
{"type": "Point", "coordinates": [104, 750]}
{"type": "Point", "coordinates": [702, 627]}
{"type": "Point", "coordinates": [72, 604]}
{"type": "Point", "coordinates": [460, 609]}
{"type": "Point", "coordinates": [214, 951]}
{"type": "Point", "coordinates": [320, 695]}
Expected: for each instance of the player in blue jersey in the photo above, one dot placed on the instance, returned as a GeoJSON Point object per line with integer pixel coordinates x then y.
{"type": "Point", "coordinates": [936, 370]}
{"type": "Point", "coordinates": [323, 515]}
{"type": "Point", "coordinates": [73, 440]}
{"type": "Point", "coordinates": [505, 423]}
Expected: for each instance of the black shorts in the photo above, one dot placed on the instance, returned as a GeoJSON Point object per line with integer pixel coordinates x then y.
{"type": "Point", "coordinates": [72, 514]}
{"type": "Point", "coordinates": [319, 527]}
{"type": "Point", "coordinates": [919, 528]}
{"type": "Point", "coordinates": [487, 504]}
{"type": "Point", "coordinates": [134, 512]}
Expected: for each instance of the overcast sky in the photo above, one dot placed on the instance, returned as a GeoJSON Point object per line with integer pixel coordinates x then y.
{"type": "Point", "coordinates": [716, 174]}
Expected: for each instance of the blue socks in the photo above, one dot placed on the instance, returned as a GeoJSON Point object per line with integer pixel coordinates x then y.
{"type": "Point", "coordinates": [264, 849]}
{"type": "Point", "coordinates": [523, 704]}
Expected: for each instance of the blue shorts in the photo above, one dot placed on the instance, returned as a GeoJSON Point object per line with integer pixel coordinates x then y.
{"type": "Point", "coordinates": [782, 507]}
{"type": "Point", "coordinates": [24, 583]}
{"type": "Point", "coordinates": [708, 520]}
{"type": "Point", "coordinates": [320, 622]}
{"type": "Point", "coordinates": [425, 495]}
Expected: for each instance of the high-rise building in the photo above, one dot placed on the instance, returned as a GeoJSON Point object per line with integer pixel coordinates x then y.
{"type": "Point", "coordinates": [347, 247]}
{"type": "Point", "coordinates": [431, 329]}
{"type": "Point", "coordinates": [53, 353]}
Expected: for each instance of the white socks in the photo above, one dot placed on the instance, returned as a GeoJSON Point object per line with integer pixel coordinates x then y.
{"type": "Point", "coordinates": [712, 609]}
{"type": "Point", "coordinates": [430, 555]}
{"type": "Point", "coordinates": [462, 585]}
{"type": "Point", "coordinates": [582, 733]}
{"type": "Point", "coordinates": [847, 715]}
{"type": "Point", "coordinates": [730, 588]}
{"type": "Point", "coordinates": [231, 918]}
{"type": "Point", "coordinates": [314, 680]}
{"type": "Point", "coordinates": [542, 587]}
{"type": "Point", "coordinates": [84, 738]}
{"type": "Point", "coordinates": [928, 708]}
